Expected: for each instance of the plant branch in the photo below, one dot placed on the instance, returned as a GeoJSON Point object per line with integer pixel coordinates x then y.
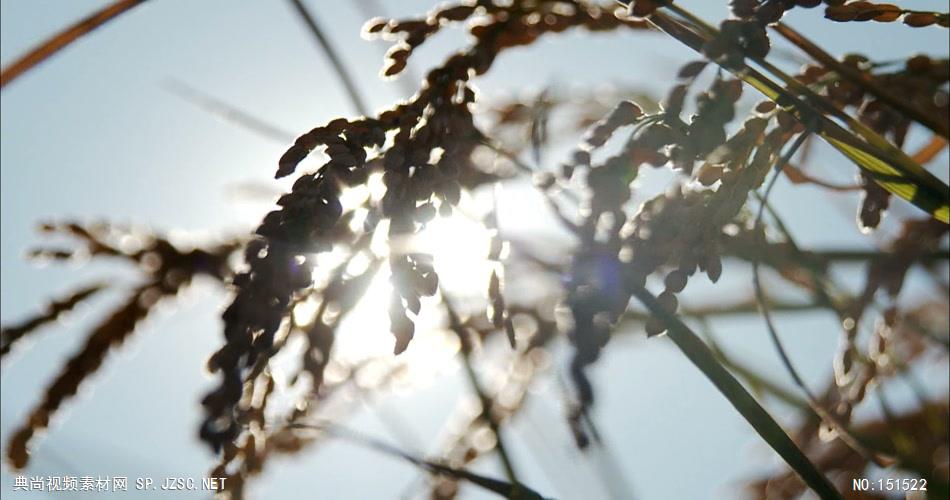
{"type": "Point", "coordinates": [757, 381]}
{"type": "Point", "coordinates": [54, 310]}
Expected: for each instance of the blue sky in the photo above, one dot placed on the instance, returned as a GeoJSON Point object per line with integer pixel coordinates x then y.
{"type": "Point", "coordinates": [92, 133]}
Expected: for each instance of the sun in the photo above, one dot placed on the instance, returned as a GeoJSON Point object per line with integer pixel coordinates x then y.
{"type": "Point", "coordinates": [459, 245]}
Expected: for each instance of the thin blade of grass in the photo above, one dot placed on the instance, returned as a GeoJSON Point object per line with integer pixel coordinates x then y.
{"type": "Point", "coordinates": [763, 423]}
{"type": "Point", "coordinates": [62, 39]}
{"type": "Point", "coordinates": [227, 112]}
{"type": "Point", "coordinates": [349, 85]}
{"type": "Point", "coordinates": [758, 382]}
{"type": "Point", "coordinates": [503, 488]}
{"type": "Point", "coordinates": [843, 432]}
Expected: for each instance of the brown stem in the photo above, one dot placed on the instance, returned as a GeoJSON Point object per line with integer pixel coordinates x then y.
{"type": "Point", "coordinates": [64, 38]}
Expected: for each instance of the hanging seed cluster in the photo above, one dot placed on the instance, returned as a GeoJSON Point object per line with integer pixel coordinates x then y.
{"type": "Point", "coordinates": [278, 265]}
{"type": "Point", "coordinates": [421, 143]}
{"type": "Point", "coordinates": [165, 271]}
{"type": "Point", "coordinates": [54, 310]}
{"type": "Point", "coordinates": [884, 13]}
{"type": "Point", "coordinates": [494, 25]}
{"type": "Point", "coordinates": [746, 35]}
{"type": "Point", "coordinates": [771, 11]}
{"type": "Point", "coordinates": [853, 372]}
{"type": "Point", "coordinates": [680, 231]}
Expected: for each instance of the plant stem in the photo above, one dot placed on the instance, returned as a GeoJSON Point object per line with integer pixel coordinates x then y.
{"type": "Point", "coordinates": [465, 353]}
{"type": "Point", "coordinates": [228, 112]}
{"type": "Point", "coordinates": [348, 84]}
{"type": "Point", "coordinates": [63, 38]}
{"type": "Point", "coordinates": [763, 423]}
{"type": "Point", "coordinates": [846, 436]}
{"type": "Point", "coordinates": [514, 491]}
{"type": "Point", "coordinates": [757, 381]}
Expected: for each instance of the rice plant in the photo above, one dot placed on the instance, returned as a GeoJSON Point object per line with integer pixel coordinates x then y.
{"type": "Point", "coordinates": [402, 213]}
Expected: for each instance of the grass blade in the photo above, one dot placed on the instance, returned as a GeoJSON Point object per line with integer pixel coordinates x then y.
{"type": "Point", "coordinates": [225, 111]}
{"type": "Point", "coordinates": [64, 38]}
{"type": "Point", "coordinates": [349, 85]}
{"type": "Point", "coordinates": [508, 490]}
{"type": "Point", "coordinates": [763, 423]}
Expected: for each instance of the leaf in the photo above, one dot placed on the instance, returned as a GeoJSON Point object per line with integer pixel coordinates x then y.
{"type": "Point", "coordinates": [931, 200]}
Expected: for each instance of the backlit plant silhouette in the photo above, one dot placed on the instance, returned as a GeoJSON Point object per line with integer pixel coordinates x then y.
{"type": "Point", "coordinates": [387, 176]}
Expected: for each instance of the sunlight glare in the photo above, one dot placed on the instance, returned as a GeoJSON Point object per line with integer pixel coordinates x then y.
{"type": "Point", "coordinates": [460, 247]}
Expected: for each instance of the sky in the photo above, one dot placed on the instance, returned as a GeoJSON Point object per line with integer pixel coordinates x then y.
{"type": "Point", "coordinates": [94, 133]}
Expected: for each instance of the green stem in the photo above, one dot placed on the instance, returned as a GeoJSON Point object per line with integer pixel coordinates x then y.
{"type": "Point", "coordinates": [757, 381]}
{"type": "Point", "coordinates": [763, 423]}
